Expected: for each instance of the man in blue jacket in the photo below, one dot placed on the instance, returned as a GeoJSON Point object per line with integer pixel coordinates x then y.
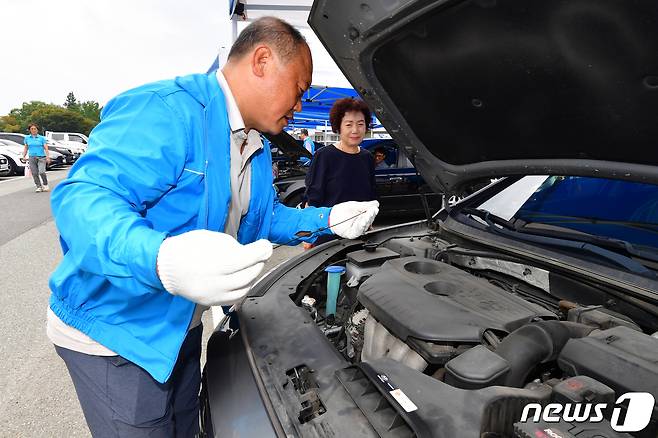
{"type": "Point", "coordinates": [169, 211]}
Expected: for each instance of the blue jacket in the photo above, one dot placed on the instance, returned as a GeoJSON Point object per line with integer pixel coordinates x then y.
{"type": "Point", "coordinates": [157, 165]}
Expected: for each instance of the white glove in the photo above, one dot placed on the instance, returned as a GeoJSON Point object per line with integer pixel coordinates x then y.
{"type": "Point", "coordinates": [210, 268]}
{"type": "Point", "coordinates": [352, 228]}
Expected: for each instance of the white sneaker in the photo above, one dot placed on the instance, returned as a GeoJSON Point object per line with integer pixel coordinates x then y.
{"type": "Point", "coordinates": [39, 189]}
{"type": "Point", "coordinates": [46, 188]}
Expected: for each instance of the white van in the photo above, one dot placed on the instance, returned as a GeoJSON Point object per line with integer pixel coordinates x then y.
{"type": "Point", "coordinates": [75, 141]}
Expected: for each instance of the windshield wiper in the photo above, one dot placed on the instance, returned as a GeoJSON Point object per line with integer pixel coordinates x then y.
{"type": "Point", "coordinates": [608, 242]}
{"type": "Point", "coordinates": [488, 217]}
{"type": "Point", "coordinates": [572, 241]}
{"type": "Point", "coordinates": [566, 219]}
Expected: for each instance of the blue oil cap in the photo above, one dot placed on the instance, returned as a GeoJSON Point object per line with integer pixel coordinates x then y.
{"type": "Point", "coordinates": [335, 269]}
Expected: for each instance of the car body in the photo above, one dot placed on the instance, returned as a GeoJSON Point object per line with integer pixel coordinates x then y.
{"type": "Point", "coordinates": [59, 155]}
{"type": "Point", "coordinates": [13, 136]}
{"type": "Point", "coordinates": [5, 170]}
{"type": "Point", "coordinates": [289, 157]}
{"type": "Point", "coordinates": [400, 189]}
{"type": "Point", "coordinates": [69, 156]}
{"type": "Point", "coordinates": [13, 152]}
{"type": "Point", "coordinates": [56, 160]}
{"type": "Point", "coordinates": [516, 312]}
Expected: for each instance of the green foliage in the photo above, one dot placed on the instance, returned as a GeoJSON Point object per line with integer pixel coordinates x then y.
{"type": "Point", "coordinates": [62, 119]}
{"type": "Point", "coordinates": [72, 117]}
{"type": "Point", "coordinates": [9, 123]}
{"type": "Point", "coordinates": [91, 110]}
{"type": "Point", "coordinates": [22, 115]}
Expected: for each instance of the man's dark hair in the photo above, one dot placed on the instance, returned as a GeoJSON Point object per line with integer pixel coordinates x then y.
{"type": "Point", "coordinates": [379, 149]}
{"type": "Point", "coordinates": [284, 38]}
{"type": "Point", "coordinates": [31, 125]}
{"type": "Point", "coordinates": [304, 131]}
{"type": "Point", "coordinates": [341, 106]}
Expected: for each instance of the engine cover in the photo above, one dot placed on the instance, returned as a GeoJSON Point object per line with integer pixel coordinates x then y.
{"type": "Point", "coordinates": [418, 298]}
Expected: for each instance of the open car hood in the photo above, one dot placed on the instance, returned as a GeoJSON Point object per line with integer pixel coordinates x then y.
{"type": "Point", "coordinates": [490, 88]}
{"type": "Point", "coordinates": [288, 145]}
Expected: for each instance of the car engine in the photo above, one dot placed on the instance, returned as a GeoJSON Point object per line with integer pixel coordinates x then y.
{"type": "Point", "coordinates": [458, 328]}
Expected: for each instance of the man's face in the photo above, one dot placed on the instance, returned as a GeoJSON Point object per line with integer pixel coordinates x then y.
{"type": "Point", "coordinates": [33, 130]}
{"type": "Point", "coordinates": [283, 88]}
{"type": "Point", "coordinates": [379, 157]}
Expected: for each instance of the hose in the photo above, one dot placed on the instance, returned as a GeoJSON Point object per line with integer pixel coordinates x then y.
{"type": "Point", "coordinates": [534, 344]}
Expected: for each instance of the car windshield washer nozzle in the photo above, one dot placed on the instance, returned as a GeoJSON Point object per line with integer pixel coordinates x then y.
{"type": "Point", "coordinates": [333, 284]}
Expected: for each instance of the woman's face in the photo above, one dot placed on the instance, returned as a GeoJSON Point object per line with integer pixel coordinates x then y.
{"type": "Point", "coordinates": [352, 128]}
{"type": "Point", "coordinates": [33, 130]}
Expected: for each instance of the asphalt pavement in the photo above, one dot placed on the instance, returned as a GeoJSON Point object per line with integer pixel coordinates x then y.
{"type": "Point", "coordinates": [37, 398]}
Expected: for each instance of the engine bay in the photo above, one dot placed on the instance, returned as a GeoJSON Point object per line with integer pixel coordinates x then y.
{"type": "Point", "coordinates": [490, 330]}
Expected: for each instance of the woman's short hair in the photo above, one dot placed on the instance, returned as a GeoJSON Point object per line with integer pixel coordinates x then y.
{"type": "Point", "coordinates": [33, 124]}
{"type": "Point", "coordinates": [341, 106]}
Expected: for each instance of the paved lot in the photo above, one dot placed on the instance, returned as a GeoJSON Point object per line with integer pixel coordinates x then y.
{"type": "Point", "coordinates": [37, 398]}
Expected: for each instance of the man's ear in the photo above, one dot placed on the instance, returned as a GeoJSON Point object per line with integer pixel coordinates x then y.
{"type": "Point", "coordinates": [260, 59]}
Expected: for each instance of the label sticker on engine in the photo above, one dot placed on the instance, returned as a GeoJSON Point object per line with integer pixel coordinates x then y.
{"type": "Point", "coordinates": [404, 401]}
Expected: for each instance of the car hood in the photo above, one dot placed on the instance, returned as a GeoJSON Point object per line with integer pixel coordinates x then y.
{"type": "Point", "coordinates": [288, 145]}
{"type": "Point", "coordinates": [489, 88]}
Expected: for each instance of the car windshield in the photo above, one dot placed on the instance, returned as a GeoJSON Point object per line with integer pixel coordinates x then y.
{"type": "Point", "coordinates": [612, 209]}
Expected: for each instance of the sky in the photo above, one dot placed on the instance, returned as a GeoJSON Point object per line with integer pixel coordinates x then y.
{"type": "Point", "coordinates": [99, 48]}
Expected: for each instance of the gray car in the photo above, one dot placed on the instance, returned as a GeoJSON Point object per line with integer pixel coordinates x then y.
{"type": "Point", "coordinates": [527, 309]}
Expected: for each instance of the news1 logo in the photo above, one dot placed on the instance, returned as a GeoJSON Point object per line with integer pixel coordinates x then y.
{"type": "Point", "coordinates": [638, 412]}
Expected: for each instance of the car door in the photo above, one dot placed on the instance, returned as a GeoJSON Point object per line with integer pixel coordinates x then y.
{"type": "Point", "coordinates": [395, 184]}
{"type": "Point", "coordinates": [400, 188]}
{"type": "Point", "coordinates": [405, 185]}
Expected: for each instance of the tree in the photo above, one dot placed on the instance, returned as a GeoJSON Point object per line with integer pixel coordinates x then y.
{"type": "Point", "coordinates": [71, 102]}
{"type": "Point", "coordinates": [56, 118]}
{"type": "Point", "coordinates": [9, 123]}
{"type": "Point", "coordinates": [22, 115]}
{"type": "Point", "coordinates": [78, 117]}
{"type": "Point", "coordinates": [91, 110]}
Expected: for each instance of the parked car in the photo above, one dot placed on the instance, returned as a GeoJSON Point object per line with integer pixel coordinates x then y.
{"type": "Point", "coordinates": [15, 140]}
{"type": "Point", "coordinates": [400, 189]}
{"type": "Point", "coordinates": [75, 141]}
{"type": "Point", "coordinates": [13, 136]}
{"type": "Point", "coordinates": [13, 152]}
{"type": "Point", "coordinates": [4, 166]}
{"type": "Point", "coordinates": [287, 153]}
{"type": "Point", "coordinates": [69, 156]}
{"type": "Point", "coordinates": [56, 160]}
{"type": "Point", "coordinates": [505, 314]}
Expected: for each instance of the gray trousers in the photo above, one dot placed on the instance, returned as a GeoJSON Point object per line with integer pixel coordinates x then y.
{"type": "Point", "coordinates": [120, 399]}
{"type": "Point", "coordinates": [38, 168]}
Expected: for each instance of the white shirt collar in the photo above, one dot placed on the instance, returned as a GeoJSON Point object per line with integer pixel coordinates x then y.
{"type": "Point", "coordinates": [234, 116]}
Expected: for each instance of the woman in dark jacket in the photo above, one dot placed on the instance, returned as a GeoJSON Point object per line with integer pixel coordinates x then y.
{"type": "Point", "coordinates": [344, 171]}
